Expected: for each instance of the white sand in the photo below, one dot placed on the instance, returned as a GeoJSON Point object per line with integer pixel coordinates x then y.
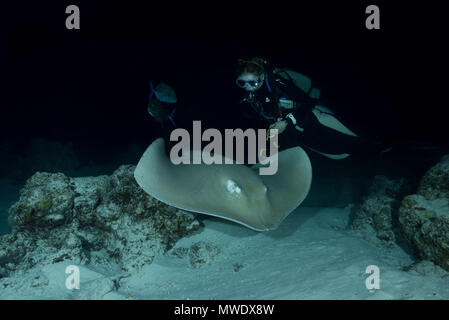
{"type": "Point", "coordinates": [310, 256]}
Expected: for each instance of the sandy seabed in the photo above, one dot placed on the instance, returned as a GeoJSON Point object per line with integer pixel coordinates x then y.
{"type": "Point", "coordinates": [312, 255]}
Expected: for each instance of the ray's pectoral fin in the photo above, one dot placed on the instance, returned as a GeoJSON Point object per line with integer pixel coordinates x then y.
{"type": "Point", "coordinates": [230, 191]}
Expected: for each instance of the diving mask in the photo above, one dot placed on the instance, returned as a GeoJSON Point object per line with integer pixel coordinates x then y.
{"type": "Point", "coordinates": [249, 83]}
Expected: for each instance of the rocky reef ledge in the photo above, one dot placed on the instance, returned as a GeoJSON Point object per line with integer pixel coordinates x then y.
{"type": "Point", "coordinates": [107, 221]}
{"type": "Point", "coordinates": [414, 217]}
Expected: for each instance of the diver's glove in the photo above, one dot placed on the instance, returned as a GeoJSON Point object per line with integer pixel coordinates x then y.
{"type": "Point", "coordinates": [286, 134]}
{"type": "Point", "coordinates": [280, 125]}
{"type": "Point", "coordinates": [292, 126]}
{"type": "Point", "coordinates": [299, 120]}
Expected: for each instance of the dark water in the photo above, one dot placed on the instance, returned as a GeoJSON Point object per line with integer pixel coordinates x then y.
{"type": "Point", "coordinates": [75, 101]}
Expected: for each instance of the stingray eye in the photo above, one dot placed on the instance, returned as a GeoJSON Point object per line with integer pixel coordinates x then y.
{"type": "Point", "coordinates": [232, 187]}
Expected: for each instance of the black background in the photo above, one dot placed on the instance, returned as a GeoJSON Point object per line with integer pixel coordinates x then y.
{"type": "Point", "coordinates": [91, 85]}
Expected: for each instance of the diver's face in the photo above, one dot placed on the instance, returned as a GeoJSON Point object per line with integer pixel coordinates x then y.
{"type": "Point", "coordinates": [250, 82]}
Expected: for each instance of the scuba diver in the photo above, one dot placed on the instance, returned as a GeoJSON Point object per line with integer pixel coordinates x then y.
{"type": "Point", "coordinates": [161, 105]}
{"type": "Point", "coordinates": [279, 99]}
{"type": "Point", "coordinates": [287, 100]}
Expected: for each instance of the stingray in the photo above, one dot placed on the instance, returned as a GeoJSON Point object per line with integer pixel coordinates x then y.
{"type": "Point", "coordinates": [234, 192]}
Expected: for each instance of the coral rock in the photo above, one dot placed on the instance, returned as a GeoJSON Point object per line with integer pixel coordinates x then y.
{"type": "Point", "coordinates": [424, 217]}
{"type": "Point", "coordinates": [45, 202]}
{"type": "Point", "coordinates": [435, 183]}
{"type": "Point", "coordinates": [105, 220]}
{"type": "Point", "coordinates": [425, 224]}
{"type": "Point", "coordinates": [377, 213]}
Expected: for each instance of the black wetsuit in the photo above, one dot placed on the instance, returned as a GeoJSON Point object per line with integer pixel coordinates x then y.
{"type": "Point", "coordinates": [308, 131]}
{"type": "Point", "coordinates": [263, 110]}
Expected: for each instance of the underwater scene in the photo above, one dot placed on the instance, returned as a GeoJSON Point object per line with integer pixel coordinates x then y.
{"type": "Point", "coordinates": [219, 152]}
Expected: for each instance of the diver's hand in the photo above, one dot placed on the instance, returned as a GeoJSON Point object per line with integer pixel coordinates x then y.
{"type": "Point", "coordinates": [279, 125]}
